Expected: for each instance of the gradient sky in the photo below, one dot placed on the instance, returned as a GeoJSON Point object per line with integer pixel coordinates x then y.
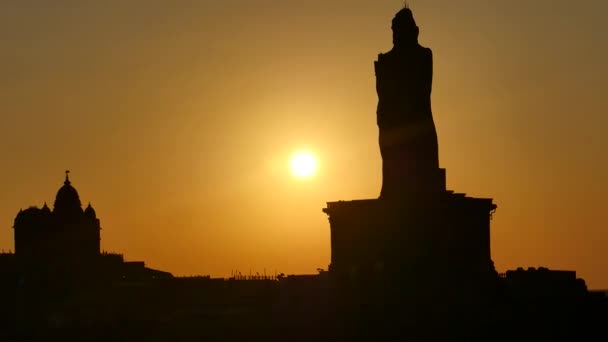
{"type": "Point", "coordinates": [177, 120]}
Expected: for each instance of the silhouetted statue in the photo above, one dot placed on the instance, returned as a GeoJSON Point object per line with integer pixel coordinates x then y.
{"type": "Point", "coordinates": [408, 140]}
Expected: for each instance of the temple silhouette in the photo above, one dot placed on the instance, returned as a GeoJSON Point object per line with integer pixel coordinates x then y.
{"type": "Point", "coordinates": [65, 242]}
{"type": "Point", "coordinates": [67, 234]}
{"type": "Point", "coordinates": [413, 264]}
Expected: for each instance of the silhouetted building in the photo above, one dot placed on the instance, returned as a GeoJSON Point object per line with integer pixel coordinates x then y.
{"type": "Point", "coordinates": [542, 283]}
{"type": "Point", "coordinates": [57, 272]}
{"type": "Point", "coordinates": [66, 234]}
{"type": "Point", "coordinates": [64, 243]}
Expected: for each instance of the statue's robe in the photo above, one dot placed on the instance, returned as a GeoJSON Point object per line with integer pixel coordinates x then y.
{"type": "Point", "coordinates": [408, 139]}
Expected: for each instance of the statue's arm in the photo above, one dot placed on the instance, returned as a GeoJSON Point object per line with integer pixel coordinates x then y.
{"type": "Point", "coordinates": [379, 74]}
{"type": "Point", "coordinates": [380, 87]}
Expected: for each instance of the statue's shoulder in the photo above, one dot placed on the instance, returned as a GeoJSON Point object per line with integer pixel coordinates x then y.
{"type": "Point", "coordinates": [386, 56]}
{"type": "Point", "coordinates": [384, 61]}
{"type": "Point", "coordinates": [382, 56]}
{"type": "Point", "coordinates": [426, 51]}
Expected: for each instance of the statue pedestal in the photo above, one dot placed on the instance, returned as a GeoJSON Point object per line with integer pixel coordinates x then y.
{"type": "Point", "coordinates": [432, 233]}
{"type": "Point", "coordinates": [425, 258]}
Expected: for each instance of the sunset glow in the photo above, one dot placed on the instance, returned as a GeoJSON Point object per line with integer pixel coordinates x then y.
{"type": "Point", "coordinates": [303, 165]}
{"type": "Point", "coordinates": [209, 135]}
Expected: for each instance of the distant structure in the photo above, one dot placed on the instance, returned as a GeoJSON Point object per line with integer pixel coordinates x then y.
{"type": "Point", "coordinates": [67, 233]}
{"type": "Point", "coordinates": [64, 243]}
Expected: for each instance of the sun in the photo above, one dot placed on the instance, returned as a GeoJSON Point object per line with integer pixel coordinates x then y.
{"type": "Point", "coordinates": [303, 164]}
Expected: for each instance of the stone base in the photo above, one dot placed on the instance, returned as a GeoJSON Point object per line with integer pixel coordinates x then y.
{"type": "Point", "coordinates": [421, 260]}
{"type": "Point", "coordinates": [437, 233]}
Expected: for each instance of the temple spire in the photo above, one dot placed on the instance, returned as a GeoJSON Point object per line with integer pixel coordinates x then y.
{"type": "Point", "coordinates": [67, 177]}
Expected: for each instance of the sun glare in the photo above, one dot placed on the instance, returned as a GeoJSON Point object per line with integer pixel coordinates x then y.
{"type": "Point", "coordinates": [303, 164]}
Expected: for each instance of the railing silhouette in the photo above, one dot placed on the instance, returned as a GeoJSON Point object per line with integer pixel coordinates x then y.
{"type": "Point", "coordinates": [257, 276]}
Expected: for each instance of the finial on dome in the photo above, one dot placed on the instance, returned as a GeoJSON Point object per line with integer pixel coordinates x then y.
{"type": "Point", "coordinates": [405, 5]}
{"type": "Point", "coordinates": [67, 177]}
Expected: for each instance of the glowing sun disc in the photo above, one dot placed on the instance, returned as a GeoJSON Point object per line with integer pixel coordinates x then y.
{"type": "Point", "coordinates": [303, 164]}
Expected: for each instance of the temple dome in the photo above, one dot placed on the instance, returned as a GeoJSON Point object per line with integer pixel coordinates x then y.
{"type": "Point", "coordinates": [90, 212]}
{"type": "Point", "coordinates": [27, 215]}
{"type": "Point", "coordinates": [67, 199]}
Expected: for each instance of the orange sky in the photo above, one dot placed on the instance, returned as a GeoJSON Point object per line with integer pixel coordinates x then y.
{"type": "Point", "coordinates": [177, 119]}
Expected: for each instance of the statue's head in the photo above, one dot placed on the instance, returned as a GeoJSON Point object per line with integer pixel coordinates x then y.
{"type": "Point", "coordinates": [405, 31]}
